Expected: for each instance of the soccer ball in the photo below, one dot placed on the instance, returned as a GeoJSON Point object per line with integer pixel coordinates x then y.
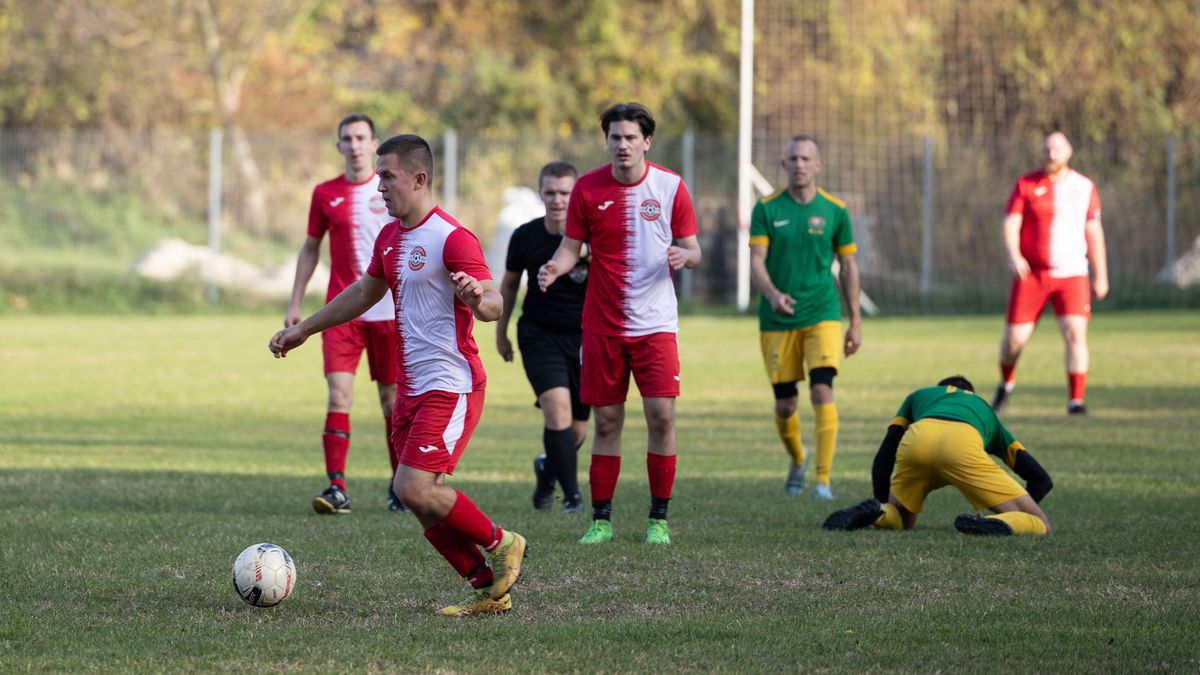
{"type": "Point", "coordinates": [264, 575]}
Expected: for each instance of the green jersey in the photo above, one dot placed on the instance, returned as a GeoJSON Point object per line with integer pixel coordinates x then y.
{"type": "Point", "coordinates": [801, 240]}
{"type": "Point", "coordinates": [959, 405]}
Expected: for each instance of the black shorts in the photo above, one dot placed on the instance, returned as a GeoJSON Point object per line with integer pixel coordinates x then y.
{"type": "Point", "coordinates": [551, 359]}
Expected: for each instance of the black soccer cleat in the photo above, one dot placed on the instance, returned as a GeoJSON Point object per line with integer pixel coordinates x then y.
{"type": "Point", "coordinates": [543, 494]}
{"type": "Point", "coordinates": [970, 523]}
{"type": "Point", "coordinates": [1077, 409]}
{"type": "Point", "coordinates": [394, 503]}
{"type": "Point", "coordinates": [573, 504]}
{"type": "Point", "coordinates": [1000, 400]}
{"type": "Point", "coordinates": [862, 514]}
{"type": "Point", "coordinates": [332, 500]}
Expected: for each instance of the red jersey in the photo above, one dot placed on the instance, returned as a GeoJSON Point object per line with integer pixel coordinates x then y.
{"type": "Point", "coordinates": [437, 349]}
{"type": "Point", "coordinates": [1053, 215]}
{"type": "Point", "coordinates": [353, 214]}
{"type": "Point", "coordinates": [629, 228]}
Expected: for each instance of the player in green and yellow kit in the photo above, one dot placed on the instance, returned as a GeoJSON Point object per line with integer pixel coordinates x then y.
{"type": "Point", "coordinates": [942, 436]}
{"type": "Point", "coordinates": [794, 235]}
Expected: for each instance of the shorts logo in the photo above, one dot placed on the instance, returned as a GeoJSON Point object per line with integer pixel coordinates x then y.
{"type": "Point", "coordinates": [651, 209]}
{"type": "Point", "coordinates": [377, 206]}
{"type": "Point", "coordinates": [416, 259]}
{"type": "Point", "coordinates": [816, 225]}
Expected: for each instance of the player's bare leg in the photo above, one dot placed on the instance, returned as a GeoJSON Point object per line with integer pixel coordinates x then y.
{"type": "Point", "coordinates": [1073, 328]}
{"type": "Point", "coordinates": [1016, 336]}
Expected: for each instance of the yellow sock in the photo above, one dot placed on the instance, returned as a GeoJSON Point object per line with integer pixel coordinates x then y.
{"type": "Point", "coordinates": [1021, 522]}
{"type": "Point", "coordinates": [890, 520]}
{"type": "Point", "coordinates": [789, 432]}
{"type": "Point", "coordinates": [827, 431]}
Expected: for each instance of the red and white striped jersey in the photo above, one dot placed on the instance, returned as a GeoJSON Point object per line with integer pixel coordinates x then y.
{"type": "Point", "coordinates": [1053, 215]}
{"type": "Point", "coordinates": [353, 214]}
{"type": "Point", "coordinates": [629, 228]}
{"type": "Point", "coordinates": [437, 349]}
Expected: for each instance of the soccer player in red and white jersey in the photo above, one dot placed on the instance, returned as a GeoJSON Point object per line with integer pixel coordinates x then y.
{"type": "Point", "coordinates": [1051, 232]}
{"type": "Point", "coordinates": [350, 209]}
{"type": "Point", "coordinates": [638, 220]}
{"type": "Point", "coordinates": [439, 284]}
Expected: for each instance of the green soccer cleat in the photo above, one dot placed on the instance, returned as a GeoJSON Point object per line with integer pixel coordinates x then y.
{"type": "Point", "coordinates": [600, 532]}
{"type": "Point", "coordinates": [505, 560]}
{"type": "Point", "coordinates": [658, 532]}
{"type": "Point", "coordinates": [479, 602]}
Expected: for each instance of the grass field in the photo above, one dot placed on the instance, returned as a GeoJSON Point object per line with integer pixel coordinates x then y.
{"type": "Point", "coordinates": [139, 455]}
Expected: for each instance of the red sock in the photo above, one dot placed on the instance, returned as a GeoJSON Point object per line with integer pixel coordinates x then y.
{"type": "Point", "coordinates": [393, 453]}
{"type": "Point", "coordinates": [661, 470]}
{"type": "Point", "coordinates": [1076, 385]}
{"type": "Point", "coordinates": [602, 476]}
{"type": "Point", "coordinates": [470, 522]}
{"type": "Point", "coordinates": [462, 554]}
{"type": "Point", "coordinates": [1006, 372]}
{"type": "Point", "coordinates": [336, 441]}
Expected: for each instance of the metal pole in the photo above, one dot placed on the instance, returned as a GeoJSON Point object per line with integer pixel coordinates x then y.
{"type": "Point", "coordinates": [688, 163]}
{"type": "Point", "coordinates": [1170, 202]}
{"type": "Point", "coordinates": [927, 220]}
{"type": "Point", "coordinates": [214, 211]}
{"type": "Point", "coordinates": [745, 203]}
{"type": "Point", "coordinates": [450, 180]}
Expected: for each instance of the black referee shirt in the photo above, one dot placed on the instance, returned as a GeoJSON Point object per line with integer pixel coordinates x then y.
{"type": "Point", "coordinates": [560, 308]}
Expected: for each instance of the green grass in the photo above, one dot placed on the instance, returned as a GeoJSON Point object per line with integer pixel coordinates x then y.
{"type": "Point", "coordinates": [139, 455]}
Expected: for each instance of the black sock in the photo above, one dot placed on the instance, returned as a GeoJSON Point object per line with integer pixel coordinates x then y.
{"type": "Point", "coordinates": [658, 508]}
{"type": "Point", "coordinates": [561, 459]}
{"type": "Point", "coordinates": [601, 509]}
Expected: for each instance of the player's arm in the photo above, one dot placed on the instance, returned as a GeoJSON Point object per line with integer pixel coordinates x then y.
{"type": "Point", "coordinates": [1097, 252]}
{"type": "Point", "coordinates": [885, 462]}
{"type": "Point", "coordinates": [306, 264]}
{"type": "Point", "coordinates": [851, 290]}
{"type": "Point", "coordinates": [685, 253]}
{"type": "Point", "coordinates": [357, 298]}
{"type": "Point", "coordinates": [1037, 481]}
{"type": "Point", "coordinates": [1017, 263]}
{"type": "Point", "coordinates": [509, 285]}
{"type": "Point", "coordinates": [780, 302]}
{"type": "Point", "coordinates": [560, 263]}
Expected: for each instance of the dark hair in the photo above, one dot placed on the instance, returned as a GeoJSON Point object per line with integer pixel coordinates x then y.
{"type": "Point", "coordinates": [411, 151]}
{"type": "Point", "coordinates": [351, 119]}
{"type": "Point", "coordinates": [557, 170]}
{"type": "Point", "coordinates": [957, 381]}
{"type": "Point", "coordinates": [628, 112]}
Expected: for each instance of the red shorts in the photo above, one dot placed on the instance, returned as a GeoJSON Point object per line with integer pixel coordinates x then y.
{"type": "Point", "coordinates": [1068, 295]}
{"type": "Point", "coordinates": [430, 431]}
{"type": "Point", "coordinates": [343, 346]}
{"type": "Point", "coordinates": [607, 361]}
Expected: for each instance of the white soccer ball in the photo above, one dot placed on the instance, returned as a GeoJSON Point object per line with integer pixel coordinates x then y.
{"type": "Point", "coordinates": [264, 575]}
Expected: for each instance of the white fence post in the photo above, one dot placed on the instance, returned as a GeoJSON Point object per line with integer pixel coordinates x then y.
{"type": "Point", "coordinates": [215, 138]}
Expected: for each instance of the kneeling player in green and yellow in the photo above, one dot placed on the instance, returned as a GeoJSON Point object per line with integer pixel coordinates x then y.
{"type": "Point", "coordinates": [942, 436]}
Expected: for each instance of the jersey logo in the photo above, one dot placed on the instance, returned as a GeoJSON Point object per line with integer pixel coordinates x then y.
{"type": "Point", "coordinates": [605, 205]}
{"type": "Point", "coordinates": [651, 209]}
{"type": "Point", "coordinates": [416, 259]}
{"type": "Point", "coordinates": [427, 448]}
{"type": "Point", "coordinates": [1039, 191]}
{"type": "Point", "coordinates": [780, 223]}
{"type": "Point", "coordinates": [335, 202]}
{"type": "Point", "coordinates": [387, 250]}
{"type": "Point", "coordinates": [377, 206]}
{"type": "Point", "coordinates": [816, 225]}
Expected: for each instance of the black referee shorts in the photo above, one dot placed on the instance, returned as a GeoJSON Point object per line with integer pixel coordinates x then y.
{"type": "Point", "coordinates": [551, 359]}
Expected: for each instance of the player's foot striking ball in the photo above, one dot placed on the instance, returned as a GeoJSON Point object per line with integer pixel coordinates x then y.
{"type": "Point", "coordinates": [478, 602]}
{"type": "Point", "coordinates": [332, 500]}
{"type": "Point", "coordinates": [862, 514]}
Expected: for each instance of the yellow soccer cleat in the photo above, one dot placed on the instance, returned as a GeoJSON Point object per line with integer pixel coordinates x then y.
{"type": "Point", "coordinates": [479, 602]}
{"type": "Point", "coordinates": [505, 560]}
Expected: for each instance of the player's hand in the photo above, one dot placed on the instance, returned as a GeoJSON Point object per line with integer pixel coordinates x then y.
{"type": "Point", "coordinates": [784, 304]}
{"type": "Point", "coordinates": [467, 288]}
{"type": "Point", "coordinates": [1019, 266]}
{"type": "Point", "coordinates": [1099, 288]}
{"type": "Point", "coordinates": [504, 346]}
{"type": "Point", "coordinates": [853, 339]}
{"type": "Point", "coordinates": [548, 274]}
{"type": "Point", "coordinates": [677, 257]}
{"type": "Point", "coordinates": [286, 340]}
{"type": "Point", "coordinates": [292, 317]}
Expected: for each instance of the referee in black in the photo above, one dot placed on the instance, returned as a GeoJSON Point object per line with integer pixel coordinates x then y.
{"type": "Point", "coordinates": [549, 336]}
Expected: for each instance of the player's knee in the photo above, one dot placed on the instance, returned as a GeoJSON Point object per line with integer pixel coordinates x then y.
{"type": "Point", "coordinates": [786, 394]}
{"type": "Point", "coordinates": [609, 424]}
{"type": "Point", "coordinates": [340, 400]}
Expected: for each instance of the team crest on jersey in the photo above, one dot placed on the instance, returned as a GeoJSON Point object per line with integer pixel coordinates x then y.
{"type": "Point", "coordinates": [416, 259]}
{"type": "Point", "coordinates": [377, 206]}
{"type": "Point", "coordinates": [651, 209]}
{"type": "Point", "coordinates": [816, 225]}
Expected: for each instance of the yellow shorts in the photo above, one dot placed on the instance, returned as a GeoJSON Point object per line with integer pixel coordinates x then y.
{"type": "Point", "coordinates": [935, 453]}
{"type": "Point", "coordinates": [787, 352]}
